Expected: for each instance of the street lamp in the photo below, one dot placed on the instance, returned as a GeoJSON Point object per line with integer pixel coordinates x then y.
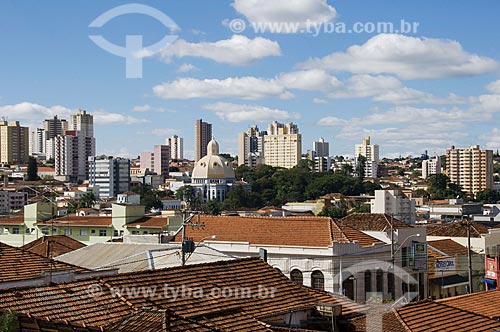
{"type": "Point", "coordinates": [402, 243]}
{"type": "Point", "coordinates": [193, 248]}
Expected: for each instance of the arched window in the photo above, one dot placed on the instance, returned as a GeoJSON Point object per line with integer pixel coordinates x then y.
{"type": "Point", "coordinates": [380, 281]}
{"type": "Point", "coordinates": [296, 277]}
{"type": "Point", "coordinates": [317, 280]}
{"type": "Point", "coordinates": [368, 281]}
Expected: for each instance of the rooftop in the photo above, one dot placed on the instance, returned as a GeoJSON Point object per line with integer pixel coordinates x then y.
{"type": "Point", "coordinates": [52, 246]}
{"type": "Point", "coordinates": [301, 231]}
{"type": "Point", "coordinates": [72, 220]}
{"type": "Point", "coordinates": [372, 222]}
{"type": "Point", "coordinates": [482, 303]}
{"type": "Point", "coordinates": [456, 229]}
{"type": "Point", "coordinates": [448, 247]}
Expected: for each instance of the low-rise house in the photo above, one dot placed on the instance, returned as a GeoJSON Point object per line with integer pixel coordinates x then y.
{"type": "Point", "coordinates": [53, 246]}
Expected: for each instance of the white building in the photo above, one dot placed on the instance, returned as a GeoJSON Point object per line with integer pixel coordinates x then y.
{"type": "Point", "coordinates": [431, 166]}
{"type": "Point", "coordinates": [176, 145]}
{"type": "Point", "coordinates": [71, 153]}
{"type": "Point", "coordinates": [282, 145]}
{"type": "Point", "coordinates": [212, 175]}
{"type": "Point", "coordinates": [371, 153]}
{"type": "Point", "coordinates": [395, 203]}
{"type": "Point", "coordinates": [110, 175]}
{"type": "Point", "coordinates": [251, 147]}
{"type": "Point", "coordinates": [37, 142]}
{"type": "Point", "coordinates": [82, 121]}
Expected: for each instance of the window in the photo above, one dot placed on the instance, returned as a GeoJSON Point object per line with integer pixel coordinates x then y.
{"type": "Point", "coordinates": [103, 232]}
{"type": "Point", "coordinates": [68, 232]}
{"type": "Point", "coordinates": [317, 280]}
{"type": "Point", "coordinates": [404, 254]}
{"type": "Point", "coordinates": [15, 230]}
{"type": "Point", "coordinates": [135, 232]}
{"type": "Point", "coordinates": [83, 232]}
{"type": "Point", "coordinates": [1, 230]}
{"type": "Point", "coordinates": [368, 281]}
{"type": "Point", "coordinates": [380, 281]}
{"type": "Point", "coordinates": [296, 276]}
{"type": "Point", "coordinates": [92, 231]}
{"type": "Point", "coordinates": [45, 231]}
{"type": "Point", "coordinates": [390, 284]}
{"type": "Point", "coordinates": [145, 232]}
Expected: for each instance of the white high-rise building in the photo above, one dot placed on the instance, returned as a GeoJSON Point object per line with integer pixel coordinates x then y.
{"type": "Point", "coordinates": [110, 175]}
{"type": "Point", "coordinates": [371, 153]}
{"type": "Point", "coordinates": [251, 147]}
{"type": "Point", "coordinates": [321, 148]}
{"type": "Point", "coordinates": [176, 145]}
{"type": "Point", "coordinates": [84, 122]}
{"type": "Point", "coordinates": [37, 142]}
{"type": "Point", "coordinates": [72, 152]}
{"type": "Point", "coordinates": [282, 145]}
{"type": "Point", "coordinates": [431, 166]}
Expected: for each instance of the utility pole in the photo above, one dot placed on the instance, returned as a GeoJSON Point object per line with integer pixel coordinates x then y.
{"type": "Point", "coordinates": [188, 245]}
{"type": "Point", "coordinates": [393, 258]}
{"type": "Point", "coordinates": [469, 257]}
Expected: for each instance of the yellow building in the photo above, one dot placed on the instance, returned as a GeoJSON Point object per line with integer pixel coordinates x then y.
{"type": "Point", "coordinates": [282, 145]}
{"type": "Point", "coordinates": [14, 143]}
{"type": "Point", "coordinates": [471, 168]}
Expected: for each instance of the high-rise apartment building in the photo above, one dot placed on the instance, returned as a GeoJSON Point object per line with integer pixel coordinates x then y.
{"type": "Point", "coordinates": [471, 168]}
{"type": "Point", "coordinates": [282, 145]}
{"type": "Point", "coordinates": [71, 154]}
{"type": "Point", "coordinates": [37, 142]}
{"type": "Point", "coordinates": [176, 145]}
{"type": "Point", "coordinates": [431, 166]}
{"type": "Point", "coordinates": [321, 148]}
{"type": "Point", "coordinates": [110, 175]}
{"type": "Point", "coordinates": [84, 122]}
{"type": "Point", "coordinates": [251, 147]}
{"type": "Point", "coordinates": [156, 161]}
{"type": "Point", "coordinates": [371, 153]}
{"type": "Point", "coordinates": [54, 127]}
{"type": "Point", "coordinates": [394, 203]}
{"type": "Point", "coordinates": [203, 135]}
{"type": "Point", "coordinates": [14, 143]}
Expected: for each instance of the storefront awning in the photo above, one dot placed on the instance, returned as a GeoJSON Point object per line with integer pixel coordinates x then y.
{"type": "Point", "coordinates": [490, 282]}
{"type": "Point", "coordinates": [450, 281]}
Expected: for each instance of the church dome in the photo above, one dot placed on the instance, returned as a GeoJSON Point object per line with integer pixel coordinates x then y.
{"type": "Point", "coordinates": [213, 166]}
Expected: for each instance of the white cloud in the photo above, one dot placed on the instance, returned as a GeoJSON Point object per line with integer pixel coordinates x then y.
{"type": "Point", "coordinates": [320, 101]}
{"type": "Point", "coordinates": [494, 87]}
{"type": "Point", "coordinates": [238, 50]}
{"type": "Point", "coordinates": [164, 131]}
{"type": "Point", "coordinates": [313, 80]}
{"type": "Point", "coordinates": [149, 108]}
{"type": "Point", "coordinates": [186, 67]}
{"type": "Point", "coordinates": [492, 139]}
{"type": "Point", "coordinates": [245, 113]}
{"type": "Point", "coordinates": [286, 11]}
{"type": "Point", "coordinates": [406, 57]}
{"type": "Point", "coordinates": [33, 114]}
{"type": "Point", "coordinates": [247, 87]}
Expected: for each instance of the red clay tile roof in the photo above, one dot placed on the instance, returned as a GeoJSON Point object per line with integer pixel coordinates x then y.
{"type": "Point", "coordinates": [78, 221]}
{"type": "Point", "coordinates": [449, 247]}
{"type": "Point", "coordinates": [289, 231]}
{"type": "Point", "coordinates": [482, 303]}
{"type": "Point", "coordinates": [19, 264]}
{"type": "Point", "coordinates": [99, 302]}
{"type": "Point", "coordinates": [151, 222]}
{"type": "Point", "coordinates": [372, 222]}
{"type": "Point", "coordinates": [26, 323]}
{"type": "Point", "coordinates": [349, 308]}
{"type": "Point", "coordinates": [53, 246]}
{"type": "Point", "coordinates": [429, 316]}
{"type": "Point", "coordinates": [456, 229]}
{"type": "Point", "coordinates": [12, 220]}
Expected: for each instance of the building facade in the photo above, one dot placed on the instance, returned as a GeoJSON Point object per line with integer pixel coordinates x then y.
{"type": "Point", "coordinates": [54, 127]}
{"type": "Point", "coordinates": [431, 166]}
{"type": "Point", "coordinates": [371, 153]}
{"type": "Point", "coordinates": [110, 175]}
{"type": "Point", "coordinates": [203, 135]}
{"type": "Point", "coordinates": [394, 203]}
{"type": "Point", "coordinates": [71, 155]}
{"type": "Point", "coordinates": [321, 148]}
{"type": "Point", "coordinates": [37, 142]}
{"type": "Point", "coordinates": [176, 145]}
{"type": "Point", "coordinates": [14, 143]}
{"type": "Point", "coordinates": [251, 147]}
{"type": "Point", "coordinates": [282, 145]}
{"type": "Point", "coordinates": [156, 161]}
{"type": "Point", "coordinates": [84, 122]}
{"type": "Point", "coordinates": [470, 168]}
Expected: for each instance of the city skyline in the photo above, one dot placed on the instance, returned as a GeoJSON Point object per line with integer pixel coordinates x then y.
{"type": "Point", "coordinates": [327, 88]}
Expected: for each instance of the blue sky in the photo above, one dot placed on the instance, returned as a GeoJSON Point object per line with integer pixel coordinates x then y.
{"type": "Point", "coordinates": [424, 90]}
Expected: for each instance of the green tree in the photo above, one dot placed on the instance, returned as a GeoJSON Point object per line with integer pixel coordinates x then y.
{"type": "Point", "coordinates": [213, 207]}
{"type": "Point", "coordinates": [32, 169]}
{"type": "Point", "coordinates": [360, 167]}
{"type": "Point", "coordinates": [488, 196]}
{"type": "Point", "coordinates": [8, 322]}
{"type": "Point", "coordinates": [188, 194]}
{"type": "Point", "coordinates": [439, 186]}
{"type": "Point", "coordinates": [87, 200]}
{"type": "Point", "coordinates": [333, 212]}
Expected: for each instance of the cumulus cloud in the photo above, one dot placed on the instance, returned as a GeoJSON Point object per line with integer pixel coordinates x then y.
{"type": "Point", "coordinates": [34, 114]}
{"type": "Point", "coordinates": [319, 101]}
{"type": "Point", "coordinates": [494, 87]}
{"type": "Point", "coordinates": [492, 139]}
{"type": "Point", "coordinates": [164, 131]}
{"type": "Point", "coordinates": [313, 80]}
{"type": "Point", "coordinates": [245, 113]}
{"type": "Point", "coordinates": [238, 50]}
{"type": "Point", "coordinates": [149, 108]}
{"type": "Point", "coordinates": [286, 11]}
{"type": "Point", "coordinates": [406, 57]}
